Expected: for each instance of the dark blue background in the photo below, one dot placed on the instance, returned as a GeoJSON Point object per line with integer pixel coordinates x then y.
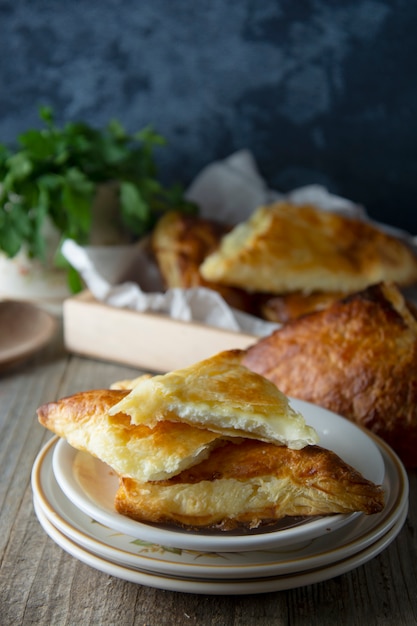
{"type": "Point", "coordinates": [320, 91]}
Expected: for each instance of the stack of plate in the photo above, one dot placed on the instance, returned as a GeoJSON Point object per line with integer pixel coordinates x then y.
{"type": "Point", "coordinates": [73, 498]}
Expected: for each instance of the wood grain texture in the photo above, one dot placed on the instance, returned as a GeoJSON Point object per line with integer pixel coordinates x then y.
{"type": "Point", "coordinates": [146, 340]}
{"type": "Point", "coordinates": [41, 584]}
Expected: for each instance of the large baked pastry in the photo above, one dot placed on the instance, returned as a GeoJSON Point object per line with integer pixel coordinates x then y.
{"type": "Point", "coordinates": [221, 395]}
{"type": "Point", "coordinates": [250, 484]}
{"type": "Point", "coordinates": [180, 243]}
{"type": "Point", "coordinates": [235, 482]}
{"type": "Point", "coordinates": [358, 358]}
{"type": "Point", "coordinates": [284, 248]}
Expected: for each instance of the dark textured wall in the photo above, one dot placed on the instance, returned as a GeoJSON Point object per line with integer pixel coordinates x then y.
{"type": "Point", "coordinates": [320, 91]}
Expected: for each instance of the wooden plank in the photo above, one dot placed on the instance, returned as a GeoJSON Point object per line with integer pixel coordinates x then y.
{"type": "Point", "coordinates": [145, 340]}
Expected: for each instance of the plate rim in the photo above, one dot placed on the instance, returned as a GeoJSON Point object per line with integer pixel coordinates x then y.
{"type": "Point", "coordinates": [220, 587]}
{"type": "Point", "coordinates": [182, 539]}
{"type": "Point", "coordinates": [355, 544]}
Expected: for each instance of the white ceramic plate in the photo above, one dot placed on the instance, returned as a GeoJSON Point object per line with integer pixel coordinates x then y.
{"type": "Point", "coordinates": [91, 486]}
{"type": "Point", "coordinates": [134, 553]}
{"type": "Point", "coordinates": [24, 329]}
{"type": "Point", "coordinates": [218, 587]}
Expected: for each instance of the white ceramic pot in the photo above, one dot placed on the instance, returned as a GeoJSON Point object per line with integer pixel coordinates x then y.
{"type": "Point", "coordinates": [24, 278]}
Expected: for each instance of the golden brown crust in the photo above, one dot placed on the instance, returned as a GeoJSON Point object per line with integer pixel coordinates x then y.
{"type": "Point", "coordinates": [357, 358]}
{"type": "Point", "coordinates": [285, 248]}
{"type": "Point", "coordinates": [245, 482]}
{"type": "Point", "coordinates": [221, 395]}
{"type": "Point", "coordinates": [136, 451]}
{"type": "Point", "coordinates": [180, 244]}
{"type": "Point", "coordinates": [129, 383]}
{"type": "Point", "coordinates": [284, 308]}
{"type": "Point", "coordinates": [252, 483]}
{"type": "Point", "coordinates": [72, 411]}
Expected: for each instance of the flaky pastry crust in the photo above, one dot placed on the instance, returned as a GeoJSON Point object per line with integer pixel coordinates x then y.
{"type": "Point", "coordinates": [221, 395]}
{"type": "Point", "coordinates": [357, 358]}
{"type": "Point", "coordinates": [285, 248]}
{"type": "Point", "coordinates": [137, 451]}
{"type": "Point", "coordinates": [249, 484]}
{"type": "Point", "coordinates": [180, 243]}
{"type": "Point", "coordinates": [177, 474]}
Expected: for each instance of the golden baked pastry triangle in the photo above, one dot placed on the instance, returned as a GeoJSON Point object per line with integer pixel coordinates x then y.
{"type": "Point", "coordinates": [221, 395]}
{"type": "Point", "coordinates": [181, 475]}
{"type": "Point", "coordinates": [250, 484]}
{"type": "Point", "coordinates": [136, 451]}
{"type": "Point", "coordinates": [285, 248]}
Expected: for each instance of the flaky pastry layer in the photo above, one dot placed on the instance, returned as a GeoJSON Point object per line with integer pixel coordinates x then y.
{"type": "Point", "coordinates": [221, 395]}
{"type": "Point", "coordinates": [180, 243]}
{"type": "Point", "coordinates": [357, 358]}
{"type": "Point", "coordinates": [249, 484]}
{"type": "Point", "coordinates": [285, 248]}
{"type": "Point", "coordinates": [137, 451]}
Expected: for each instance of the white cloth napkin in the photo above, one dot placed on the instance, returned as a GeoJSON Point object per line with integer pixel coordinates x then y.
{"type": "Point", "coordinates": [229, 190]}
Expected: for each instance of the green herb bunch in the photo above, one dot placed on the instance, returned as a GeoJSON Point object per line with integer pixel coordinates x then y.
{"type": "Point", "coordinates": [55, 171]}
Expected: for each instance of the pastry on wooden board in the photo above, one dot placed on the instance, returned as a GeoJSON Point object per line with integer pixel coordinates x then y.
{"type": "Point", "coordinates": [180, 243]}
{"type": "Point", "coordinates": [358, 358]}
{"type": "Point", "coordinates": [284, 248]}
{"type": "Point", "coordinates": [250, 484]}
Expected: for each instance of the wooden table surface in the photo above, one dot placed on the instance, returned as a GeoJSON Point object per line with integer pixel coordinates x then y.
{"type": "Point", "coordinates": [42, 584]}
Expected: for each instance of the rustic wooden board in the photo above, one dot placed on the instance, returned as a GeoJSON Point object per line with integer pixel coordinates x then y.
{"type": "Point", "coordinates": [145, 340]}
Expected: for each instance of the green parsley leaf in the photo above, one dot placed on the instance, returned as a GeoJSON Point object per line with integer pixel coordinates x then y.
{"type": "Point", "coordinates": [54, 173]}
